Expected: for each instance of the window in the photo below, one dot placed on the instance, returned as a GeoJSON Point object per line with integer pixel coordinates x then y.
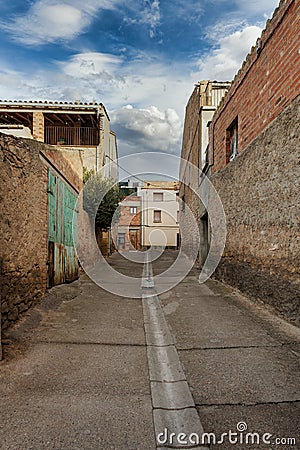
{"type": "Point", "coordinates": [157, 217]}
{"type": "Point", "coordinates": [121, 238]}
{"type": "Point", "coordinates": [232, 140]}
{"type": "Point", "coordinates": [158, 196]}
{"type": "Point", "coordinates": [133, 210]}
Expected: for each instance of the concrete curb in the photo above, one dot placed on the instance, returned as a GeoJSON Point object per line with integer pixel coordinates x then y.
{"type": "Point", "coordinates": [174, 411]}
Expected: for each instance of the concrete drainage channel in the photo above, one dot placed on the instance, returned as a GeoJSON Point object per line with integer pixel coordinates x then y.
{"type": "Point", "coordinates": [176, 421]}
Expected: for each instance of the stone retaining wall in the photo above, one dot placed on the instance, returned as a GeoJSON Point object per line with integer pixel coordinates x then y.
{"type": "Point", "coordinates": [260, 194]}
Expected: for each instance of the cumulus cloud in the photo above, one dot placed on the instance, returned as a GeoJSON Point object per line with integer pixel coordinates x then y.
{"type": "Point", "coordinates": [225, 59]}
{"type": "Point", "coordinates": [47, 21]}
{"type": "Point", "coordinates": [148, 129]}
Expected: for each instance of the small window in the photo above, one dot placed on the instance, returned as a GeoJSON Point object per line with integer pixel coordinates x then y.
{"type": "Point", "coordinates": [157, 217]}
{"type": "Point", "coordinates": [133, 210]}
{"type": "Point", "coordinates": [121, 238]}
{"type": "Point", "coordinates": [158, 196]}
{"type": "Point", "coordinates": [232, 140]}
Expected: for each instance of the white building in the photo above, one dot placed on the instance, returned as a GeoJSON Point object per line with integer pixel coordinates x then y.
{"type": "Point", "coordinates": [160, 214]}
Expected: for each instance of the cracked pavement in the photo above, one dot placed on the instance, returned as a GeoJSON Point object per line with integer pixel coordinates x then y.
{"type": "Point", "coordinates": [87, 369]}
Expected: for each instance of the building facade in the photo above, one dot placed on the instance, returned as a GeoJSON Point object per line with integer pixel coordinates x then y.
{"type": "Point", "coordinates": [253, 164]}
{"type": "Point", "coordinates": [160, 214]}
{"type": "Point", "coordinates": [129, 224]}
{"type": "Point", "coordinates": [39, 191]}
{"type": "Point", "coordinates": [266, 84]}
{"type": "Point", "coordinates": [200, 109]}
{"type": "Point", "coordinates": [82, 126]}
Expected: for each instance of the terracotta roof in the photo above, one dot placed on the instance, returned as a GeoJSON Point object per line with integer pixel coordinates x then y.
{"type": "Point", "coordinates": [48, 103]}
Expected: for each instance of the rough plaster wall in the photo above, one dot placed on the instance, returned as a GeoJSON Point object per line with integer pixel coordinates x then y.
{"type": "Point", "coordinates": [260, 194]}
{"type": "Point", "coordinates": [24, 218]}
{"type": "Point", "coordinates": [88, 250]}
{"type": "Point", "coordinates": [189, 175]}
{"type": "Point", "coordinates": [23, 223]}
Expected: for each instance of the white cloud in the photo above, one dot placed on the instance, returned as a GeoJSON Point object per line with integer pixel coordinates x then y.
{"type": "Point", "coordinates": [50, 20]}
{"type": "Point", "coordinates": [91, 75]}
{"type": "Point", "coordinates": [150, 16]}
{"type": "Point", "coordinates": [249, 8]}
{"type": "Point", "coordinates": [256, 7]}
{"type": "Point", "coordinates": [148, 129]}
{"type": "Point", "coordinates": [226, 58]}
{"type": "Point", "coordinates": [94, 69]}
{"type": "Point", "coordinates": [187, 10]}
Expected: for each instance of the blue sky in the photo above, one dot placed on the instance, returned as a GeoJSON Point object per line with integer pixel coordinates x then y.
{"type": "Point", "coordinates": [140, 58]}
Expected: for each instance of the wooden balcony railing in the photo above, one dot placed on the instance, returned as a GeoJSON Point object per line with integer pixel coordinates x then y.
{"type": "Point", "coordinates": [73, 136]}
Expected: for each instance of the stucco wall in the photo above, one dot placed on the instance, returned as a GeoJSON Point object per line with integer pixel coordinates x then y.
{"type": "Point", "coordinates": [260, 194]}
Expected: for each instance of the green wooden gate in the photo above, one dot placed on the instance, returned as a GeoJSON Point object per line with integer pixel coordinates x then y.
{"type": "Point", "coordinates": [62, 218]}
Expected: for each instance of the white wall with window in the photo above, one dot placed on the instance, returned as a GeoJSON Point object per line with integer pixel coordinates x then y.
{"type": "Point", "coordinates": [159, 215]}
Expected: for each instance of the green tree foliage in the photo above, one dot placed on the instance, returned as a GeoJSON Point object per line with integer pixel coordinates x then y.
{"type": "Point", "coordinates": [95, 187]}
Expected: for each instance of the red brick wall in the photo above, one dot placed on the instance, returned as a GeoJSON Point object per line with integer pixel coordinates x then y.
{"type": "Point", "coordinates": [265, 85]}
{"type": "Point", "coordinates": [131, 221]}
{"type": "Point", "coordinates": [127, 219]}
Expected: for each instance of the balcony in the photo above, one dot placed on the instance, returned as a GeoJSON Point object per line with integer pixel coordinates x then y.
{"type": "Point", "coordinates": [72, 136]}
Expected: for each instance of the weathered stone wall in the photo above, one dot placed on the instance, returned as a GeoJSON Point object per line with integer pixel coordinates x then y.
{"type": "Point", "coordinates": [88, 251]}
{"type": "Point", "coordinates": [190, 140]}
{"type": "Point", "coordinates": [24, 217]}
{"type": "Point", "coordinates": [260, 194]}
{"type": "Point", "coordinates": [67, 162]}
{"type": "Point", "coordinates": [189, 174]}
{"type": "Point", "coordinates": [23, 223]}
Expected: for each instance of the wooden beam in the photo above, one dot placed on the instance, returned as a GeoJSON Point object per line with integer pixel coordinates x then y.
{"type": "Point", "coordinates": [25, 118]}
{"type": "Point", "coordinates": [56, 117]}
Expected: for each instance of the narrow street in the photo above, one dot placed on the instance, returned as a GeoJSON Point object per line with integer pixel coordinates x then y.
{"type": "Point", "coordinates": [87, 369]}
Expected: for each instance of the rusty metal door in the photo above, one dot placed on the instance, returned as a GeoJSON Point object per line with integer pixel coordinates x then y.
{"type": "Point", "coordinates": [62, 260]}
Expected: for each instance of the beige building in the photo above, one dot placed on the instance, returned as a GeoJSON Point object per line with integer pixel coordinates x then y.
{"type": "Point", "coordinates": [80, 126]}
{"type": "Point", "coordinates": [160, 214]}
{"type": "Point", "coordinates": [200, 109]}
